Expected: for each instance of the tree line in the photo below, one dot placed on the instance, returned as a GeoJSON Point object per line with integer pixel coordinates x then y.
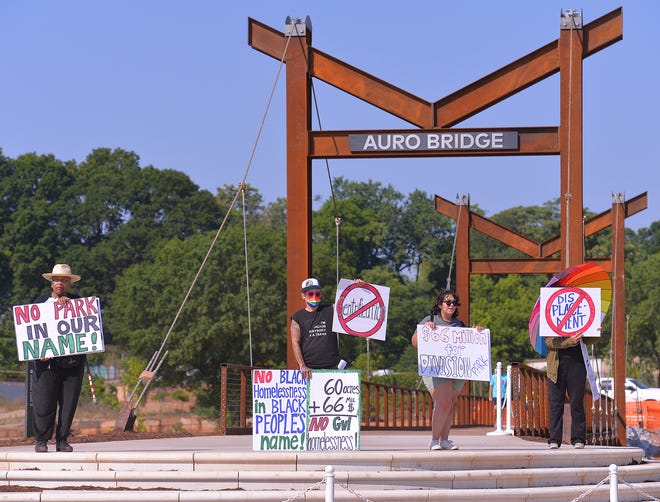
{"type": "Point", "coordinates": [137, 235]}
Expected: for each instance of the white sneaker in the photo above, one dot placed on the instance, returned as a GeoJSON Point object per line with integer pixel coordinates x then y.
{"type": "Point", "coordinates": [435, 445]}
{"type": "Point", "coordinates": [553, 446]}
{"type": "Point", "coordinates": [446, 444]}
{"type": "Point", "coordinates": [579, 445]}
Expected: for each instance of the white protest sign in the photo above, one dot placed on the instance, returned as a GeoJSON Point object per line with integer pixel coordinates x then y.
{"type": "Point", "coordinates": [333, 410]}
{"type": "Point", "coordinates": [279, 410]}
{"type": "Point", "coordinates": [361, 309]}
{"type": "Point", "coordinates": [568, 311]}
{"type": "Point", "coordinates": [53, 330]}
{"type": "Point", "coordinates": [453, 352]}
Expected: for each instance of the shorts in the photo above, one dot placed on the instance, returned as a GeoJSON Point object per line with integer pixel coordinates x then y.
{"type": "Point", "coordinates": [433, 382]}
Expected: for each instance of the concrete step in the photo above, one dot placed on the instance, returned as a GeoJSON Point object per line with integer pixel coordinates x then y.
{"type": "Point", "coordinates": [453, 461]}
{"type": "Point", "coordinates": [301, 480]}
{"type": "Point", "coordinates": [389, 467]}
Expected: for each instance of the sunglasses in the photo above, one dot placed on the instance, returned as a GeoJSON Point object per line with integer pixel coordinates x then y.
{"type": "Point", "coordinates": [450, 303]}
{"type": "Point", "coordinates": [313, 294]}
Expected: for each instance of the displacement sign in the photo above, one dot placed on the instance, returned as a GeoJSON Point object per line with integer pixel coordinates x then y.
{"type": "Point", "coordinates": [570, 311]}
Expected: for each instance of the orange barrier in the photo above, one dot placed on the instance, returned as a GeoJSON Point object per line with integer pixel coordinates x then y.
{"type": "Point", "coordinates": [644, 414]}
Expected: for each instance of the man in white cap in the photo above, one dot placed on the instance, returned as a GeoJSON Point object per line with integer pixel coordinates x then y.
{"type": "Point", "coordinates": [312, 340]}
{"type": "Point", "coordinates": [56, 381]}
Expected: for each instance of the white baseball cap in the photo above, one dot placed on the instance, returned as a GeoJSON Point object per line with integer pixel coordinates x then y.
{"type": "Point", "coordinates": [310, 283]}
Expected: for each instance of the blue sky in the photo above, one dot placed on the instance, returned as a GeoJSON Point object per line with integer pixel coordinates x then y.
{"type": "Point", "coordinates": [177, 83]}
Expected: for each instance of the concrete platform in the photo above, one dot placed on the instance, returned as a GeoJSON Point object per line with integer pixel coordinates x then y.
{"type": "Point", "coordinates": [393, 465]}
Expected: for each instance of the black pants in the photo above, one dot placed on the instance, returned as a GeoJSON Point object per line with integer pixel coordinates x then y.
{"type": "Point", "coordinates": [572, 379]}
{"type": "Point", "coordinates": [52, 387]}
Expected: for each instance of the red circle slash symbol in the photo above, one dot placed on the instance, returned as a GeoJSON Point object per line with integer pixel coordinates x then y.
{"type": "Point", "coordinates": [557, 323]}
{"type": "Point", "coordinates": [345, 319]}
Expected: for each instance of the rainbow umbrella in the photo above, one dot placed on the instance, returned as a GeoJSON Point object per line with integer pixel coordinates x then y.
{"type": "Point", "coordinates": [584, 275]}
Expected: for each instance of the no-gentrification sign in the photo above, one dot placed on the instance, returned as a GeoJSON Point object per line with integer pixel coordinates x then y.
{"type": "Point", "coordinates": [570, 311]}
{"type": "Point", "coordinates": [361, 309]}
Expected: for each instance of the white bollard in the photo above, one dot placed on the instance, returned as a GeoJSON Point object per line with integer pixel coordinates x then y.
{"type": "Point", "coordinates": [614, 483]}
{"type": "Point", "coordinates": [509, 394]}
{"type": "Point", "coordinates": [329, 483]}
{"type": "Point", "coordinates": [498, 393]}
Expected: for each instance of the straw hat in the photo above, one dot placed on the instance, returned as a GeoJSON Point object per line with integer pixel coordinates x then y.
{"type": "Point", "coordinates": [61, 270]}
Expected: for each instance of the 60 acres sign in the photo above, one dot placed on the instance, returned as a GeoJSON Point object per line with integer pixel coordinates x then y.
{"type": "Point", "coordinates": [570, 311]}
{"type": "Point", "coordinates": [361, 309]}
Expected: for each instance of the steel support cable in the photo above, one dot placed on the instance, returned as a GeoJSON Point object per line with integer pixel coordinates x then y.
{"type": "Point", "coordinates": [231, 206]}
{"type": "Point", "coordinates": [247, 271]}
{"type": "Point", "coordinates": [332, 188]}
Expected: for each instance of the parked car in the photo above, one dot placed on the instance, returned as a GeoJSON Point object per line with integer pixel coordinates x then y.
{"type": "Point", "coordinates": [634, 389]}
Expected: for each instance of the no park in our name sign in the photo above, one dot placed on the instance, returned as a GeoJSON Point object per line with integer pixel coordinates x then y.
{"type": "Point", "coordinates": [53, 330]}
{"type": "Point", "coordinates": [569, 311]}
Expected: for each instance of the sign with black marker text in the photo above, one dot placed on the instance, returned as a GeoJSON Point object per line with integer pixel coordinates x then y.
{"type": "Point", "coordinates": [454, 352]}
{"type": "Point", "coordinates": [279, 399]}
{"type": "Point", "coordinates": [333, 410]}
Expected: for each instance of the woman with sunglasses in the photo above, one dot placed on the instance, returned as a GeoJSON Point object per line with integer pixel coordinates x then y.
{"type": "Point", "coordinates": [444, 391]}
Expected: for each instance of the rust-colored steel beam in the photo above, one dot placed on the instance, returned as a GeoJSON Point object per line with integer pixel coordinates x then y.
{"type": "Point", "coordinates": [618, 317]}
{"type": "Point", "coordinates": [456, 107]}
{"type": "Point", "coordinates": [531, 141]}
{"type": "Point", "coordinates": [298, 176]}
{"type": "Point", "coordinates": [523, 73]}
{"type": "Point", "coordinates": [598, 223]}
{"type": "Point", "coordinates": [604, 219]}
{"type": "Point", "coordinates": [462, 288]}
{"type": "Point", "coordinates": [570, 140]}
{"type": "Point", "coordinates": [371, 89]}
{"type": "Point", "coordinates": [263, 38]}
{"type": "Point", "coordinates": [491, 228]}
{"type": "Point", "coordinates": [524, 265]}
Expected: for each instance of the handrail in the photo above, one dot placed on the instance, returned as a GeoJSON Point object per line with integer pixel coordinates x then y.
{"type": "Point", "coordinates": [384, 407]}
{"type": "Point", "coordinates": [387, 407]}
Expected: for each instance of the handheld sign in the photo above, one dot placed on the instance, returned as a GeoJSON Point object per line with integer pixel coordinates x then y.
{"type": "Point", "coordinates": [569, 311]}
{"type": "Point", "coordinates": [454, 352]}
{"type": "Point", "coordinates": [53, 330]}
{"type": "Point", "coordinates": [361, 309]}
{"type": "Point", "coordinates": [333, 410]}
{"type": "Point", "coordinates": [279, 410]}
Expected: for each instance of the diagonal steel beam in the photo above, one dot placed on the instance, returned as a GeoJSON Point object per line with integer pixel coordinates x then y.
{"type": "Point", "coordinates": [524, 72]}
{"type": "Point", "coordinates": [456, 107]}
{"type": "Point", "coordinates": [598, 223]}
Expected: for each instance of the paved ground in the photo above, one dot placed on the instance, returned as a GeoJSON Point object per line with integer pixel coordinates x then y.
{"type": "Point", "coordinates": [471, 439]}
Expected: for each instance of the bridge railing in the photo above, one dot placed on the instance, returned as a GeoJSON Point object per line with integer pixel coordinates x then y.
{"type": "Point", "coordinates": [530, 415]}
{"type": "Point", "coordinates": [383, 406]}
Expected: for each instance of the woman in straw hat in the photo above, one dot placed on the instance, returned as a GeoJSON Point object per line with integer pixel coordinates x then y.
{"type": "Point", "coordinates": [56, 381]}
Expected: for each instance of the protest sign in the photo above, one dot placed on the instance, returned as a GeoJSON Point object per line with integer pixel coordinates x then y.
{"type": "Point", "coordinates": [279, 410]}
{"type": "Point", "coordinates": [333, 410]}
{"type": "Point", "coordinates": [568, 311]}
{"type": "Point", "coordinates": [454, 352]}
{"type": "Point", "coordinates": [361, 309]}
{"type": "Point", "coordinates": [53, 330]}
